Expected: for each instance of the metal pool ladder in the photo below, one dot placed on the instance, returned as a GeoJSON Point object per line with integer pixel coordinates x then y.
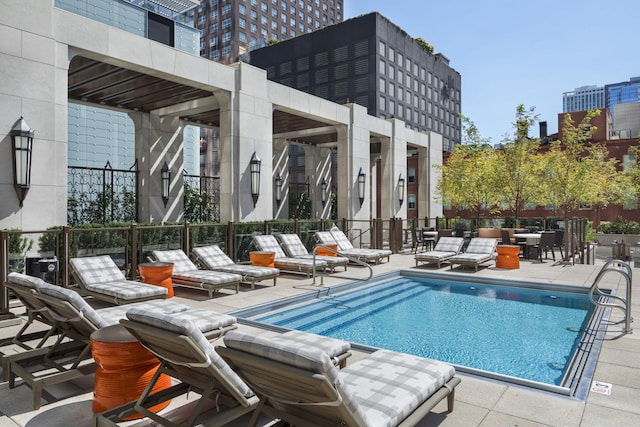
{"type": "Point", "coordinates": [352, 259]}
{"type": "Point", "coordinates": [624, 304]}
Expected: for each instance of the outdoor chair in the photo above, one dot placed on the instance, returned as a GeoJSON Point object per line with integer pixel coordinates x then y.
{"type": "Point", "coordinates": [188, 357]}
{"type": "Point", "coordinates": [417, 238]}
{"type": "Point", "coordinates": [443, 251]}
{"type": "Point", "coordinates": [345, 248]}
{"type": "Point", "coordinates": [213, 258]}
{"type": "Point", "coordinates": [68, 358]}
{"type": "Point", "coordinates": [559, 241]}
{"type": "Point", "coordinates": [506, 237]}
{"type": "Point", "coordinates": [299, 385]}
{"type": "Point", "coordinates": [100, 277]}
{"type": "Point", "coordinates": [268, 243]}
{"type": "Point", "coordinates": [546, 244]}
{"type": "Point", "coordinates": [186, 273]}
{"type": "Point", "coordinates": [479, 251]}
{"type": "Point", "coordinates": [294, 247]}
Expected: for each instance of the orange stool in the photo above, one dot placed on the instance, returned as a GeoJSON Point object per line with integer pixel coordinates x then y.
{"type": "Point", "coordinates": [159, 274]}
{"type": "Point", "coordinates": [323, 252]}
{"type": "Point", "coordinates": [262, 258]}
{"type": "Point", "coordinates": [125, 368]}
{"type": "Point", "coordinates": [508, 257]}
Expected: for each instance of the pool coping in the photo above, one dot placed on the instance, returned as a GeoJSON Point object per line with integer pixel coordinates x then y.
{"type": "Point", "coordinates": [579, 374]}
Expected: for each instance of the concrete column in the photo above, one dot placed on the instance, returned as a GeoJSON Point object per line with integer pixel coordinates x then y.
{"type": "Point", "coordinates": [394, 164]}
{"type": "Point", "coordinates": [34, 69]}
{"type": "Point", "coordinates": [353, 155]}
{"type": "Point", "coordinates": [246, 126]}
{"type": "Point", "coordinates": [281, 166]}
{"type": "Point", "coordinates": [159, 140]}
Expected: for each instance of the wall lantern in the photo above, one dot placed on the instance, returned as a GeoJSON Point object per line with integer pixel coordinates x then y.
{"type": "Point", "coordinates": [278, 184]}
{"type": "Point", "coordinates": [361, 181]}
{"type": "Point", "coordinates": [165, 182]}
{"type": "Point", "coordinates": [401, 189]}
{"type": "Point", "coordinates": [254, 167]}
{"type": "Point", "coordinates": [22, 142]}
{"type": "Point", "coordinates": [323, 191]}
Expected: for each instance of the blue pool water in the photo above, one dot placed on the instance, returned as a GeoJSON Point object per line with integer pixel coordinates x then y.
{"type": "Point", "coordinates": [525, 333]}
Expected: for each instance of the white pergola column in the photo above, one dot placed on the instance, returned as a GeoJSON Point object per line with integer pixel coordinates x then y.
{"type": "Point", "coordinates": [281, 166]}
{"type": "Point", "coordinates": [159, 140]}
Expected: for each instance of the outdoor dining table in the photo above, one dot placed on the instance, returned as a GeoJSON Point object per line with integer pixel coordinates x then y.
{"type": "Point", "coordinates": [531, 239]}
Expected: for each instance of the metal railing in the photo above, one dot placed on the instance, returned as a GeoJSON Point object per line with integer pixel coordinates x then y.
{"type": "Point", "coordinates": [623, 269]}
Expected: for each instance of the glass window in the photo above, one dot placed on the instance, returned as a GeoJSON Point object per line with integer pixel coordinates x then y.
{"type": "Point", "coordinates": [383, 67]}
{"type": "Point", "coordinates": [382, 49]}
{"type": "Point", "coordinates": [383, 85]}
{"type": "Point", "coordinates": [392, 54]}
{"type": "Point", "coordinates": [242, 23]}
{"type": "Point", "coordinates": [411, 201]}
{"type": "Point", "coordinates": [383, 103]}
{"type": "Point", "coordinates": [411, 175]}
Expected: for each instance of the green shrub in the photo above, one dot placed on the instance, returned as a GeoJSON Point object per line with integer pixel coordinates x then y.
{"type": "Point", "coordinates": [620, 226]}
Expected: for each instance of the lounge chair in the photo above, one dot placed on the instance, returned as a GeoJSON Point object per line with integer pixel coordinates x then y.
{"type": "Point", "coordinates": [213, 258]}
{"type": "Point", "coordinates": [294, 247]}
{"type": "Point", "coordinates": [336, 236]}
{"type": "Point", "coordinates": [443, 251]}
{"type": "Point", "coordinates": [186, 356]}
{"type": "Point", "coordinates": [480, 250]}
{"type": "Point", "coordinates": [185, 273]}
{"type": "Point", "coordinates": [299, 384]}
{"type": "Point", "coordinates": [282, 261]}
{"type": "Point", "coordinates": [100, 277]}
{"type": "Point", "coordinates": [77, 320]}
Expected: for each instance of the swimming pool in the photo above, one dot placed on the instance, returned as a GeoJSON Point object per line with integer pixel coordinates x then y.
{"type": "Point", "coordinates": [532, 334]}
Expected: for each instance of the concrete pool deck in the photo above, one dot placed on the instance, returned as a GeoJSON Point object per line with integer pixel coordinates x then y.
{"type": "Point", "coordinates": [479, 402]}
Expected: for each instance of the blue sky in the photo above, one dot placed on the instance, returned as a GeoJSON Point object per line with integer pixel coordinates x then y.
{"type": "Point", "coordinates": [521, 52]}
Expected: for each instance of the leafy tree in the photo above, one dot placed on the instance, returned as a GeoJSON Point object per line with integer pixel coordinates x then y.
{"type": "Point", "coordinates": [571, 166]}
{"type": "Point", "coordinates": [518, 165]}
{"type": "Point", "coordinates": [468, 180]}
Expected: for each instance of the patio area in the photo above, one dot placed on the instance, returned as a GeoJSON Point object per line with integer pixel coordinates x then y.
{"type": "Point", "coordinates": [479, 402]}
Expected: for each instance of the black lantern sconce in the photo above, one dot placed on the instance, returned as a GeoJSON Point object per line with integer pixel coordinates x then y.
{"type": "Point", "coordinates": [323, 191]}
{"type": "Point", "coordinates": [401, 190]}
{"type": "Point", "coordinates": [165, 182]}
{"type": "Point", "coordinates": [254, 167]}
{"type": "Point", "coordinates": [278, 185]}
{"type": "Point", "coordinates": [361, 181]}
{"type": "Point", "coordinates": [22, 144]}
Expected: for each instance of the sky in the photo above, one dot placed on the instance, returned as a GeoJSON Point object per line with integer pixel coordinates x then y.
{"type": "Point", "coordinates": [529, 52]}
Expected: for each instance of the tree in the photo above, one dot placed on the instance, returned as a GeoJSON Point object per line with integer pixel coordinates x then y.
{"type": "Point", "coordinates": [468, 180]}
{"type": "Point", "coordinates": [571, 167]}
{"type": "Point", "coordinates": [519, 165]}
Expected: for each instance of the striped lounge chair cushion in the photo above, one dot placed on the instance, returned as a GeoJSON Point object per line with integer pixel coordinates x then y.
{"type": "Point", "coordinates": [111, 314]}
{"type": "Point", "coordinates": [449, 244]}
{"type": "Point", "coordinates": [124, 290]}
{"type": "Point", "coordinates": [207, 277]}
{"type": "Point", "coordinates": [341, 239]}
{"type": "Point", "coordinates": [185, 326]}
{"type": "Point", "coordinates": [212, 256]}
{"type": "Point", "coordinates": [270, 244]}
{"type": "Point", "coordinates": [389, 386]}
{"type": "Point", "coordinates": [293, 245]}
{"type": "Point", "coordinates": [205, 320]}
{"type": "Point", "coordinates": [481, 245]}
{"type": "Point", "coordinates": [293, 354]}
{"type": "Point", "coordinates": [324, 237]}
{"type": "Point", "coordinates": [96, 269]}
{"type": "Point", "coordinates": [299, 264]}
{"type": "Point", "coordinates": [332, 346]}
{"type": "Point", "coordinates": [434, 256]}
{"type": "Point", "coordinates": [470, 258]}
{"type": "Point", "coordinates": [30, 282]}
{"type": "Point", "coordinates": [181, 262]}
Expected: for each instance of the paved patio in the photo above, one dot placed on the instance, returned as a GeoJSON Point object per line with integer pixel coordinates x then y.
{"type": "Point", "coordinates": [479, 402]}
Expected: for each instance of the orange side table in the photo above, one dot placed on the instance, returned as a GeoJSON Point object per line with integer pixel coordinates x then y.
{"type": "Point", "coordinates": [262, 258]}
{"type": "Point", "coordinates": [323, 252]}
{"type": "Point", "coordinates": [125, 369]}
{"type": "Point", "coordinates": [508, 257]}
{"type": "Point", "coordinates": [157, 273]}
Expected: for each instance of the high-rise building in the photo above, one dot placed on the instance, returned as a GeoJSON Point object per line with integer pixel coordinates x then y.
{"type": "Point", "coordinates": [230, 28]}
{"type": "Point", "coordinates": [621, 93]}
{"type": "Point", "coordinates": [583, 98]}
{"type": "Point", "coordinates": [372, 62]}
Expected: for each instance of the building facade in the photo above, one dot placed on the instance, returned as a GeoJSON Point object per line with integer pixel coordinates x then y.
{"type": "Point", "coordinates": [231, 28]}
{"type": "Point", "coordinates": [583, 98]}
{"type": "Point", "coordinates": [622, 93]}
{"type": "Point", "coordinates": [374, 63]}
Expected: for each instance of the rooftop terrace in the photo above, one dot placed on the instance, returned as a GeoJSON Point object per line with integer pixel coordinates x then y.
{"type": "Point", "coordinates": [479, 402]}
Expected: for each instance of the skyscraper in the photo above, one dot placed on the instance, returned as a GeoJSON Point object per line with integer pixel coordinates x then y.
{"type": "Point", "coordinates": [230, 28]}
{"type": "Point", "coordinates": [583, 98]}
{"type": "Point", "coordinates": [372, 62]}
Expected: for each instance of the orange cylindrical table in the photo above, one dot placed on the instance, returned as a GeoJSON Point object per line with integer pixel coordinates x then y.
{"type": "Point", "coordinates": [508, 256]}
{"type": "Point", "coordinates": [125, 368]}
{"type": "Point", "coordinates": [262, 258]}
{"type": "Point", "coordinates": [323, 252]}
{"type": "Point", "coordinates": [157, 273]}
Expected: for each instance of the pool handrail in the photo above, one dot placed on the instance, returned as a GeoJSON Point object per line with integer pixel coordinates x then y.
{"type": "Point", "coordinates": [625, 270]}
{"type": "Point", "coordinates": [335, 251]}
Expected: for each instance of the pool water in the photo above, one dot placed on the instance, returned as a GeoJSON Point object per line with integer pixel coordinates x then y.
{"type": "Point", "coordinates": [525, 333]}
